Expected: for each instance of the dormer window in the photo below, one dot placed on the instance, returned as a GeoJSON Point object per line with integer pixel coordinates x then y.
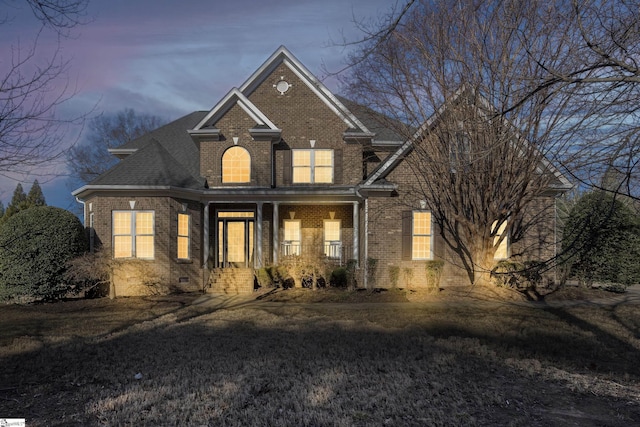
{"type": "Point", "coordinates": [236, 166]}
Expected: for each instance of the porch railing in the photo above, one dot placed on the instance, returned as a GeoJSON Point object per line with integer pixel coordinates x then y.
{"type": "Point", "coordinates": [334, 251]}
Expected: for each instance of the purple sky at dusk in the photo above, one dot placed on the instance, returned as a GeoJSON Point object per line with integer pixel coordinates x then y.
{"type": "Point", "coordinates": [170, 58]}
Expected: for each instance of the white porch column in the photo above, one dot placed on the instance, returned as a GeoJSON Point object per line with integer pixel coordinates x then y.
{"type": "Point", "coordinates": [365, 244]}
{"type": "Point", "coordinates": [276, 232]}
{"type": "Point", "coordinates": [205, 236]}
{"type": "Point", "coordinates": [356, 232]}
{"type": "Point", "coordinates": [257, 262]}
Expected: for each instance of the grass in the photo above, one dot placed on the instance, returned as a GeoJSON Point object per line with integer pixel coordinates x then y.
{"type": "Point", "coordinates": [278, 362]}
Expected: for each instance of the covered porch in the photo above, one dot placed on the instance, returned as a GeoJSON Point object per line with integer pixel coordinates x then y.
{"type": "Point", "coordinates": [239, 234]}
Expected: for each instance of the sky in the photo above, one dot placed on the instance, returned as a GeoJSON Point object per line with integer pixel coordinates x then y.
{"type": "Point", "coordinates": [170, 58]}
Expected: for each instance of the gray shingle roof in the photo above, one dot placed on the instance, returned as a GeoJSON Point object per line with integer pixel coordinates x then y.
{"type": "Point", "coordinates": [151, 165]}
{"type": "Point", "coordinates": [176, 141]}
{"type": "Point", "coordinates": [373, 120]}
{"type": "Point", "coordinates": [168, 156]}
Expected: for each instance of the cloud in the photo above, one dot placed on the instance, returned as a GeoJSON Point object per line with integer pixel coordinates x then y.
{"type": "Point", "coordinates": [170, 58]}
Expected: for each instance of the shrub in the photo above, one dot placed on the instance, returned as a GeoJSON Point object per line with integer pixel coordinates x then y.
{"type": "Point", "coordinates": [35, 246]}
{"type": "Point", "coordinates": [95, 272]}
{"type": "Point", "coordinates": [394, 275]}
{"type": "Point", "coordinates": [508, 274]}
{"type": "Point", "coordinates": [601, 240]}
{"type": "Point", "coordinates": [407, 272]}
{"type": "Point", "coordinates": [372, 266]}
{"type": "Point", "coordinates": [264, 278]}
{"type": "Point", "coordinates": [339, 277]}
{"type": "Point", "coordinates": [434, 273]}
{"type": "Point", "coordinates": [525, 277]}
{"type": "Point", "coordinates": [91, 272]}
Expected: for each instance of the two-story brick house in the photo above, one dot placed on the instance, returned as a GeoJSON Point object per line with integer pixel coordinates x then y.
{"type": "Point", "coordinates": [279, 167]}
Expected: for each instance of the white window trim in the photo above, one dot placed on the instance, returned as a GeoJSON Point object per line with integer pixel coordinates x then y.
{"type": "Point", "coordinates": [224, 177]}
{"type": "Point", "coordinates": [187, 236]}
{"type": "Point", "coordinates": [413, 234]}
{"type": "Point", "coordinates": [133, 233]}
{"type": "Point", "coordinates": [312, 165]}
{"type": "Point", "coordinates": [331, 242]}
{"type": "Point", "coordinates": [294, 245]}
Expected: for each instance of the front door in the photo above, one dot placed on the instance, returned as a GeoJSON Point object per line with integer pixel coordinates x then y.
{"type": "Point", "coordinates": [235, 239]}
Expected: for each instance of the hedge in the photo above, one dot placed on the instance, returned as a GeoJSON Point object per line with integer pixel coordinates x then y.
{"type": "Point", "coordinates": [35, 247]}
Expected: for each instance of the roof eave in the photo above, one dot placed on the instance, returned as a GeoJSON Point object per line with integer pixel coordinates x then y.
{"type": "Point", "coordinates": [121, 153]}
{"type": "Point", "coordinates": [358, 137]}
{"type": "Point", "coordinates": [273, 135]}
{"type": "Point", "coordinates": [204, 132]}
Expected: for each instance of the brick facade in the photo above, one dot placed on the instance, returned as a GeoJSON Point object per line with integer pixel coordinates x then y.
{"type": "Point", "coordinates": [306, 117]}
{"type": "Point", "coordinates": [236, 123]}
{"type": "Point", "coordinates": [385, 236]}
{"type": "Point", "coordinates": [303, 117]}
{"type": "Point", "coordinates": [176, 275]}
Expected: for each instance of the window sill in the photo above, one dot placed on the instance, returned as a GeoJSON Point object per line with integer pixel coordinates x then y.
{"type": "Point", "coordinates": [183, 261]}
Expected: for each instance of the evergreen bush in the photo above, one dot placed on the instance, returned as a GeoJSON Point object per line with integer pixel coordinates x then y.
{"type": "Point", "coordinates": [601, 240]}
{"type": "Point", "coordinates": [35, 246]}
{"type": "Point", "coordinates": [339, 278]}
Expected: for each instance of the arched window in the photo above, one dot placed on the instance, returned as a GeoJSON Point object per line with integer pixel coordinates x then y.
{"type": "Point", "coordinates": [236, 165]}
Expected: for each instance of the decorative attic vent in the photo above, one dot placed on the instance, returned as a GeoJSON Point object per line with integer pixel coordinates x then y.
{"type": "Point", "coordinates": [282, 86]}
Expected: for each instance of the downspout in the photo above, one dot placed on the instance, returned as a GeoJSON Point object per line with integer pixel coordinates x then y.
{"type": "Point", "coordinates": [84, 211]}
{"type": "Point", "coordinates": [205, 246]}
{"type": "Point", "coordinates": [365, 251]}
{"type": "Point", "coordinates": [273, 166]}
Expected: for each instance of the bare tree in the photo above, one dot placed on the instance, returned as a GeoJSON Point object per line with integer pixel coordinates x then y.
{"type": "Point", "coordinates": [89, 159]}
{"type": "Point", "coordinates": [492, 94]}
{"type": "Point", "coordinates": [32, 87]}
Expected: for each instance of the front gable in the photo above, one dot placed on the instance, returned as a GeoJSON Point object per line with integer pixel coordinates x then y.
{"type": "Point", "coordinates": [280, 108]}
{"type": "Point", "coordinates": [480, 106]}
{"type": "Point", "coordinates": [282, 71]}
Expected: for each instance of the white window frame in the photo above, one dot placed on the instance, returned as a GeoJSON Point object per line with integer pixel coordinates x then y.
{"type": "Point", "coordinates": [232, 172]}
{"type": "Point", "coordinates": [180, 237]}
{"type": "Point", "coordinates": [414, 235]}
{"type": "Point", "coordinates": [132, 232]}
{"type": "Point", "coordinates": [330, 246]}
{"type": "Point", "coordinates": [291, 246]}
{"type": "Point", "coordinates": [312, 165]}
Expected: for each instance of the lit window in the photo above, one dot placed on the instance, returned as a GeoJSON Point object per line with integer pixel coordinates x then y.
{"type": "Point", "coordinates": [421, 236]}
{"type": "Point", "coordinates": [236, 214]}
{"type": "Point", "coordinates": [133, 234]}
{"type": "Point", "coordinates": [184, 236]}
{"type": "Point", "coordinates": [502, 249]}
{"type": "Point", "coordinates": [332, 240]}
{"type": "Point", "coordinates": [312, 166]}
{"type": "Point", "coordinates": [236, 165]}
{"type": "Point", "coordinates": [291, 243]}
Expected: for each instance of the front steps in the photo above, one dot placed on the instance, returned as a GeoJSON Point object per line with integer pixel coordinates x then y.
{"type": "Point", "coordinates": [231, 281]}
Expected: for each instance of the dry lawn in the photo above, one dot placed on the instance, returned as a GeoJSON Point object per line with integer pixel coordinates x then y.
{"type": "Point", "coordinates": [466, 358]}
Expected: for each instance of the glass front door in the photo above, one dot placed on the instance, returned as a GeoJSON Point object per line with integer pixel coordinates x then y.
{"type": "Point", "coordinates": [235, 239]}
